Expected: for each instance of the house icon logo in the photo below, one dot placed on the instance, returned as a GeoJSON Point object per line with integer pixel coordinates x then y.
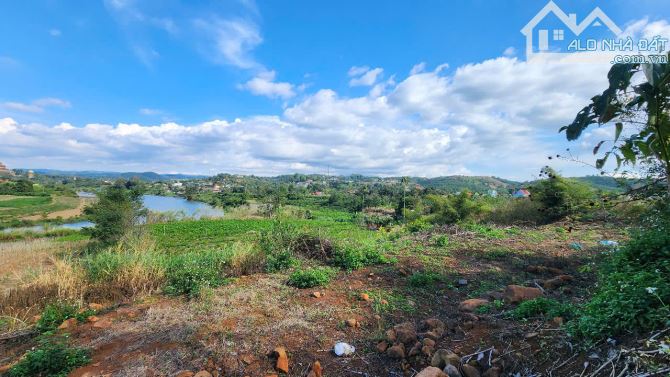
{"type": "Point", "coordinates": [539, 40]}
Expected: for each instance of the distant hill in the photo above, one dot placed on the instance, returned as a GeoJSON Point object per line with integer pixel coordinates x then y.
{"type": "Point", "coordinates": [145, 176]}
{"type": "Point", "coordinates": [478, 184]}
{"type": "Point", "coordinates": [605, 183]}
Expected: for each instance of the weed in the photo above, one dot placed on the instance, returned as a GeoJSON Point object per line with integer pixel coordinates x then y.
{"type": "Point", "coordinates": [187, 273]}
{"type": "Point", "coordinates": [542, 307]}
{"type": "Point", "coordinates": [54, 314]}
{"type": "Point", "coordinates": [311, 277]}
{"type": "Point", "coordinates": [52, 357]}
{"type": "Point", "coordinates": [441, 241]}
{"type": "Point", "coordinates": [280, 261]}
{"type": "Point", "coordinates": [350, 256]}
{"type": "Point", "coordinates": [421, 279]}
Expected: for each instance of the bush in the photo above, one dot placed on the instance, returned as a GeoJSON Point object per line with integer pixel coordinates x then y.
{"type": "Point", "coordinates": [52, 358]}
{"type": "Point", "coordinates": [354, 256]}
{"type": "Point", "coordinates": [280, 261]}
{"type": "Point", "coordinates": [117, 210]}
{"type": "Point", "coordinates": [311, 277]}
{"type": "Point", "coordinates": [633, 290]}
{"type": "Point", "coordinates": [54, 314]}
{"type": "Point", "coordinates": [442, 240]}
{"type": "Point", "coordinates": [542, 307]}
{"type": "Point", "coordinates": [559, 197]}
{"type": "Point", "coordinates": [189, 272]}
{"type": "Point", "coordinates": [423, 279]}
{"type": "Point", "coordinates": [419, 225]}
{"type": "Point", "coordinates": [510, 211]}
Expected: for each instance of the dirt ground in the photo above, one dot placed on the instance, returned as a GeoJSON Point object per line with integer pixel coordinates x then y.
{"type": "Point", "coordinates": [232, 330]}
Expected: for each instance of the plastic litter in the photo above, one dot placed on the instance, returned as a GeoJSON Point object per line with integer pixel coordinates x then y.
{"type": "Point", "coordinates": [576, 246]}
{"type": "Point", "coordinates": [344, 349]}
{"type": "Point", "coordinates": [609, 243]}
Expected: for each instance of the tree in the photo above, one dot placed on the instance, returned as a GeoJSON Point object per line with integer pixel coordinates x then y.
{"type": "Point", "coordinates": [558, 196]}
{"type": "Point", "coordinates": [642, 108]}
{"type": "Point", "coordinates": [118, 209]}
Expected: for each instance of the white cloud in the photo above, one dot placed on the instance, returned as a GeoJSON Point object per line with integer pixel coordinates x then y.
{"type": "Point", "coordinates": [230, 41]}
{"type": "Point", "coordinates": [36, 106]}
{"type": "Point", "coordinates": [509, 52]}
{"type": "Point", "coordinates": [264, 85]}
{"type": "Point", "coordinates": [496, 117]}
{"type": "Point", "coordinates": [55, 32]}
{"type": "Point", "coordinates": [364, 76]}
{"type": "Point", "coordinates": [150, 112]}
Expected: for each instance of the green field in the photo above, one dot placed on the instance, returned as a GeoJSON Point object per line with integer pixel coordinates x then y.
{"type": "Point", "coordinates": [187, 235]}
{"type": "Point", "coordinates": [14, 208]}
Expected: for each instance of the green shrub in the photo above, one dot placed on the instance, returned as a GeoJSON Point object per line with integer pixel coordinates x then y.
{"type": "Point", "coordinates": [633, 289]}
{"type": "Point", "coordinates": [559, 197]}
{"type": "Point", "coordinates": [311, 277]}
{"type": "Point", "coordinates": [354, 256]}
{"type": "Point", "coordinates": [280, 261]}
{"type": "Point", "coordinates": [52, 357]}
{"type": "Point", "coordinates": [187, 273]}
{"type": "Point", "coordinates": [419, 225]}
{"type": "Point", "coordinates": [508, 211]}
{"type": "Point", "coordinates": [422, 279]}
{"type": "Point", "coordinates": [54, 314]}
{"type": "Point", "coordinates": [117, 210]}
{"type": "Point", "coordinates": [542, 307]}
{"type": "Point", "coordinates": [442, 240]}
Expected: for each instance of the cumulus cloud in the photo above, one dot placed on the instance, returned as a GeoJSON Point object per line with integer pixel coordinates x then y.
{"type": "Point", "coordinates": [364, 76]}
{"type": "Point", "coordinates": [55, 32]}
{"type": "Point", "coordinates": [498, 117]}
{"type": "Point", "coordinates": [36, 106]}
{"type": "Point", "coordinates": [151, 112]}
{"type": "Point", "coordinates": [495, 117]}
{"type": "Point", "coordinates": [264, 85]}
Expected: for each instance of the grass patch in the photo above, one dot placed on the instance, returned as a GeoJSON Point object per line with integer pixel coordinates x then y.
{"type": "Point", "coordinates": [422, 279]}
{"type": "Point", "coordinates": [52, 357]}
{"type": "Point", "coordinates": [542, 307]}
{"type": "Point", "coordinates": [54, 314]}
{"type": "Point", "coordinates": [351, 256]}
{"type": "Point", "coordinates": [311, 277]}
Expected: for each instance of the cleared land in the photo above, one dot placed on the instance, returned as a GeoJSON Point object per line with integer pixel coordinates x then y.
{"type": "Point", "coordinates": [39, 207]}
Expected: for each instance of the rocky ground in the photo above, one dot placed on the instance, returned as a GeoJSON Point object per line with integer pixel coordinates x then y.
{"type": "Point", "coordinates": [454, 325]}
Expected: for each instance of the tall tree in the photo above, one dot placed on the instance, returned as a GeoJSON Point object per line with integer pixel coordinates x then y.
{"type": "Point", "coordinates": [637, 99]}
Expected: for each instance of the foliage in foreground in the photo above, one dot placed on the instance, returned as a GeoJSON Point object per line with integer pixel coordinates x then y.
{"type": "Point", "coordinates": [542, 307]}
{"type": "Point", "coordinates": [311, 277]}
{"type": "Point", "coordinates": [52, 358]}
{"type": "Point", "coordinates": [354, 256]}
{"type": "Point", "coordinates": [54, 314]}
{"type": "Point", "coordinates": [633, 291]}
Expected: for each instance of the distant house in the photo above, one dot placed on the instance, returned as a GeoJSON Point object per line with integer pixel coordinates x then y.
{"type": "Point", "coordinates": [493, 193]}
{"type": "Point", "coordinates": [4, 171]}
{"type": "Point", "coordinates": [521, 193]}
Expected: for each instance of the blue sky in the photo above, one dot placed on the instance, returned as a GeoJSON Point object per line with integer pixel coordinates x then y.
{"type": "Point", "coordinates": [376, 87]}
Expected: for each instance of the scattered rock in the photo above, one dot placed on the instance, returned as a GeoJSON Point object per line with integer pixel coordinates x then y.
{"type": "Point", "coordinates": [468, 325]}
{"type": "Point", "coordinates": [431, 372]}
{"type": "Point", "coordinates": [364, 297]}
{"type": "Point", "coordinates": [434, 328]}
{"type": "Point", "coordinates": [495, 295]}
{"type": "Point", "coordinates": [316, 370]}
{"type": "Point", "coordinates": [517, 293]}
{"type": "Point", "coordinates": [282, 359]}
{"type": "Point", "coordinates": [384, 302]}
{"type": "Point", "coordinates": [442, 358]}
{"type": "Point", "coordinates": [316, 294]}
{"type": "Point", "coordinates": [472, 304]}
{"type": "Point", "coordinates": [68, 324]}
{"type": "Point", "coordinates": [462, 282]}
{"type": "Point", "coordinates": [248, 359]}
{"type": "Point", "coordinates": [5, 368]}
{"type": "Point", "coordinates": [128, 313]}
{"type": "Point", "coordinates": [36, 318]}
{"type": "Point", "coordinates": [391, 335]}
{"type": "Point", "coordinates": [203, 373]}
{"type": "Point", "coordinates": [382, 346]}
{"type": "Point", "coordinates": [96, 307]}
{"type": "Point", "coordinates": [427, 350]}
{"type": "Point", "coordinates": [415, 350]}
{"type": "Point", "coordinates": [104, 323]}
{"type": "Point", "coordinates": [492, 372]}
{"type": "Point", "coordinates": [351, 322]}
{"type": "Point", "coordinates": [184, 373]}
{"type": "Point", "coordinates": [396, 352]}
{"type": "Point", "coordinates": [405, 333]}
{"type": "Point", "coordinates": [558, 281]}
{"type": "Point", "coordinates": [452, 371]}
{"type": "Point", "coordinates": [557, 321]}
{"type": "Point", "coordinates": [470, 371]}
{"type": "Point", "coordinates": [531, 335]}
{"type": "Point", "coordinates": [343, 349]}
{"type": "Point", "coordinates": [429, 342]}
{"type": "Point", "coordinates": [92, 319]}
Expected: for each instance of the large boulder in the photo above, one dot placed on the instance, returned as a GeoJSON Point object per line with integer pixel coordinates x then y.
{"type": "Point", "coordinates": [472, 304]}
{"type": "Point", "coordinates": [431, 372]}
